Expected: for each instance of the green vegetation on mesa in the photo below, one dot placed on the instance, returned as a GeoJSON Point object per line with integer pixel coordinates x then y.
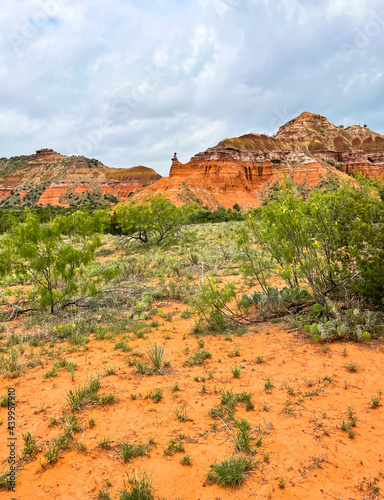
{"type": "Point", "coordinates": [94, 199]}
{"type": "Point", "coordinates": [11, 165]}
{"type": "Point", "coordinates": [56, 169]}
{"type": "Point", "coordinates": [91, 200]}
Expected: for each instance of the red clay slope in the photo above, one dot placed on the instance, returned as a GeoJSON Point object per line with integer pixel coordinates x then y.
{"type": "Point", "coordinates": [56, 179]}
{"type": "Point", "coordinates": [308, 149]}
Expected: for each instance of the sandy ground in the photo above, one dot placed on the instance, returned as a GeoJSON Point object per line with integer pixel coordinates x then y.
{"type": "Point", "coordinates": [303, 442]}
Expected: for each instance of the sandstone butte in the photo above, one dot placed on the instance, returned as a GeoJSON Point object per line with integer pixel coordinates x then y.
{"type": "Point", "coordinates": [308, 149]}
{"type": "Point", "coordinates": [48, 177]}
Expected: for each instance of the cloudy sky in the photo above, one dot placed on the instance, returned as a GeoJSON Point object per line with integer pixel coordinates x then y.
{"type": "Point", "coordinates": [132, 81]}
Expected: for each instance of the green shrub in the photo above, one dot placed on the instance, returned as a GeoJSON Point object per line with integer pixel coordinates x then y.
{"type": "Point", "coordinates": [156, 218]}
{"type": "Point", "coordinates": [53, 256]}
{"type": "Point", "coordinates": [332, 241]}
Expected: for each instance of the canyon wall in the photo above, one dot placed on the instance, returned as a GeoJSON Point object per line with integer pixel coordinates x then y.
{"type": "Point", "coordinates": [48, 177]}
{"type": "Point", "coordinates": [308, 150]}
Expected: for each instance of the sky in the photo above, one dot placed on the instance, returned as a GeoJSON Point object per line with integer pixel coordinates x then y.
{"type": "Point", "coordinates": [130, 82]}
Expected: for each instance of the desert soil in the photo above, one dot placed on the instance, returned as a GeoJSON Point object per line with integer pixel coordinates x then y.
{"type": "Point", "coordinates": [300, 418]}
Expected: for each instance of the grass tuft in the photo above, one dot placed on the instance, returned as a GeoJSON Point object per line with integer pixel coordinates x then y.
{"type": "Point", "coordinates": [230, 472]}
{"type": "Point", "coordinates": [78, 397]}
{"type": "Point", "coordinates": [139, 487]}
{"type": "Point", "coordinates": [155, 355]}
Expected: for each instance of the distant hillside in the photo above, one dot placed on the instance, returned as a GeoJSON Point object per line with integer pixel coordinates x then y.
{"type": "Point", "coordinates": [308, 149]}
{"type": "Point", "coordinates": [242, 170]}
{"type": "Point", "coordinates": [48, 177]}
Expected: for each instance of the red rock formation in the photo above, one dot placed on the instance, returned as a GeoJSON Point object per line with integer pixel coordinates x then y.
{"type": "Point", "coordinates": [4, 192]}
{"type": "Point", "coordinates": [57, 176]}
{"type": "Point", "coordinates": [53, 194]}
{"type": "Point", "coordinates": [45, 155]}
{"type": "Point", "coordinates": [241, 170]}
{"type": "Point", "coordinates": [307, 149]}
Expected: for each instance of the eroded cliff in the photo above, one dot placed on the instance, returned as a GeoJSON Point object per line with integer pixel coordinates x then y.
{"type": "Point", "coordinates": [308, 149]}
{"type": "Point", "coordinates": [47, 177]}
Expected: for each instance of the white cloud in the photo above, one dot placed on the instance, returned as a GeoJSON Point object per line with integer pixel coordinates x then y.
{"type": "Point", "coordinates": [132, 82]}
{"type": "Point", "coordinates": [356, 9]}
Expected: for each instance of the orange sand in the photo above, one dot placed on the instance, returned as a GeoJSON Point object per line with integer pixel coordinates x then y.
{"type": "Point", "coordinates": [306, 447]}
